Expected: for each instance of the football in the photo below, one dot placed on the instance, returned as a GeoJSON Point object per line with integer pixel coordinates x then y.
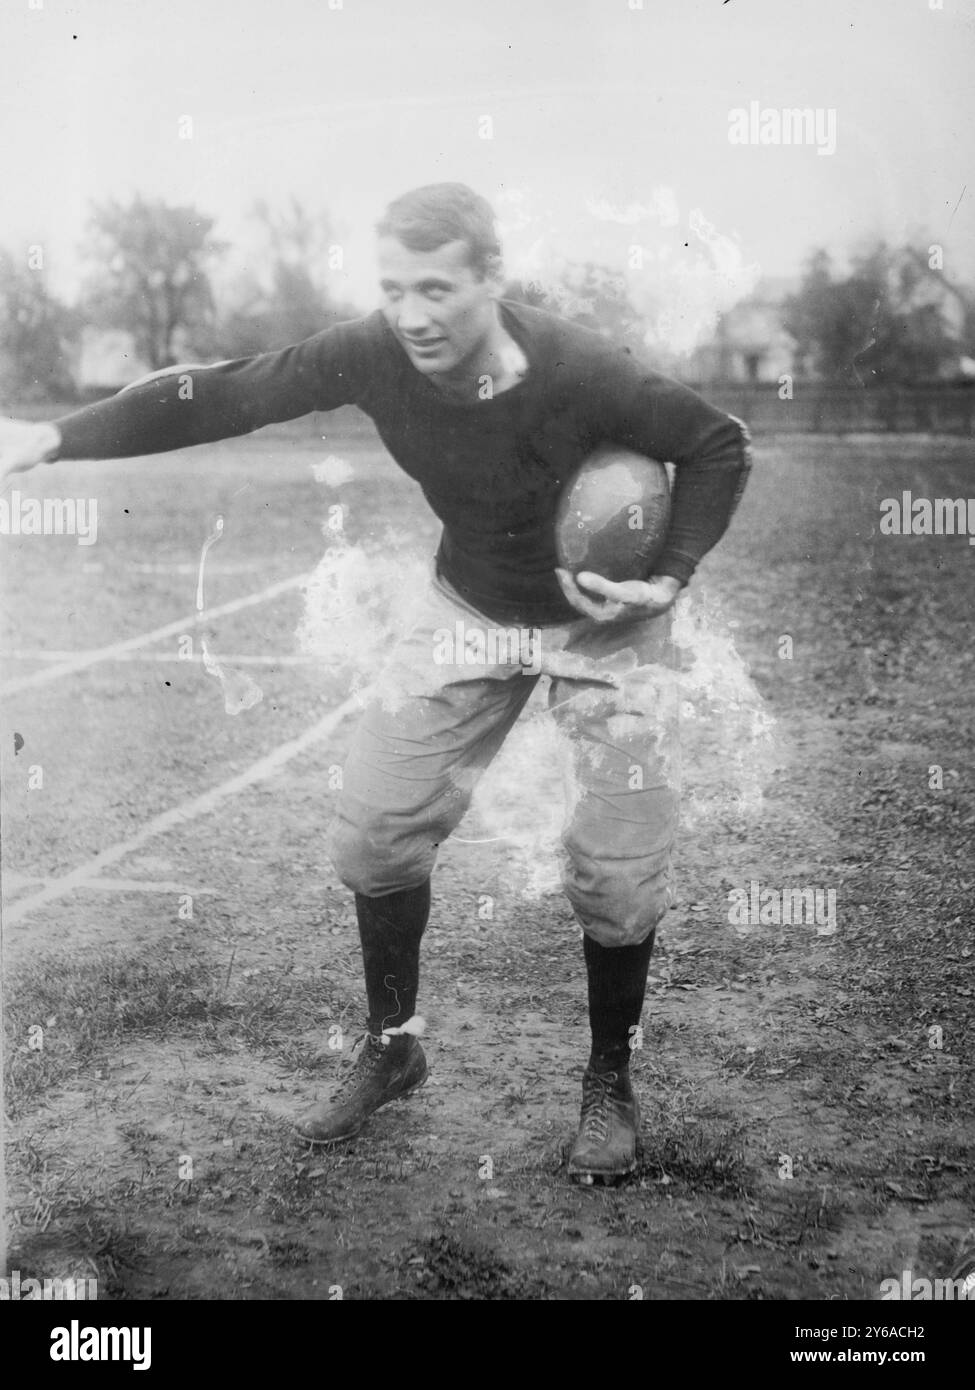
{"type": "Point", "coordinates": [613, 515]}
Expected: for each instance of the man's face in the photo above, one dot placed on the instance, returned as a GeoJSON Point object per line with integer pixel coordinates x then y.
{"type": "Point", "coordinates": [441, 311]}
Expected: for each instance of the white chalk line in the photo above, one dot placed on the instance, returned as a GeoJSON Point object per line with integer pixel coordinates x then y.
{"type": "Point", "coordinates": [174, 567]}
{"type": "Point", "coordinates": [82, 660]}
{"type": "Point", "coordinates": [241, 659]}
{"type": "Point", "coordinates": [181, 815]}
{"type": "Point", "coordinates": [192, 567]}
{"type": "Point", "coordinates": [15, 882]}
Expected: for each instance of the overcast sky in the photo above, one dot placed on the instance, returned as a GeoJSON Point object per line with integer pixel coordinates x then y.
{"type": "Point", "coordinates": [595, 107]}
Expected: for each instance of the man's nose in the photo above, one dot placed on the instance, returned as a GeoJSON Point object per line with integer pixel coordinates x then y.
{"type": "Point", "coordinates": [414, 317]}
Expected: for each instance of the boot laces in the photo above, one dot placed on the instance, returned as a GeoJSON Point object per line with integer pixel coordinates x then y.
{"type": "Point", "coordinates": [363, 1059]}
{"type": "Point", "coordinates": [596, 1104]}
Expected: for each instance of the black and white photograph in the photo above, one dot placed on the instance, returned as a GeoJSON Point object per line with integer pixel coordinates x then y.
{"type": "Point", "coordinates": [487, 576]}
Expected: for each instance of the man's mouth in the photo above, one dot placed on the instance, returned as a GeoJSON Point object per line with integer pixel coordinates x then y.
{"type": "Point", "coordinates": [424, 344]}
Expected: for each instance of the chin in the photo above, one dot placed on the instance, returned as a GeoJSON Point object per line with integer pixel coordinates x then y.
{"type": "Point", "coordinates": [429, 368]}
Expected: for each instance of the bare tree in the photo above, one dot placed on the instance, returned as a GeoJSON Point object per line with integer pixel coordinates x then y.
{"type": "Point", "coordinates": [288, 296]}
{"type": "Point", "coordinates": [588, 293]}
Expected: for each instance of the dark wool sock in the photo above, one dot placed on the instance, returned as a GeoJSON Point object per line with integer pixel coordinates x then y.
{"type": "Point", "coordinates": [390, 929]}
{"type": "Point", "coordinates": [617, 984]}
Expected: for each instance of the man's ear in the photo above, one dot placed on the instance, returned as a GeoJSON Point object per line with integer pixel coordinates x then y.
{"type": "Point", "coordinates": [495, 276]}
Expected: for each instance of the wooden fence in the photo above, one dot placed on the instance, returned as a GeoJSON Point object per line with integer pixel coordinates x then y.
{"type": "Point", "coordinates": [816, 408]}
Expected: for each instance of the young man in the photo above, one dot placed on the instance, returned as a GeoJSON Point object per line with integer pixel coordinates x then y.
{"type": "Point", "coordinates": [490, 406]}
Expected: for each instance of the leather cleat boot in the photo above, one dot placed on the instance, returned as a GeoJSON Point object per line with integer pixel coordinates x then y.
{"type": "Point", "coordinates": [380, 1073]}
{"type": "Point", "coordinates": [605, 1147]}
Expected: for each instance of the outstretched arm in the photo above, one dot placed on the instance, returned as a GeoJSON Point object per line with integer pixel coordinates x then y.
{"type": "Point", "coordinates": [186, 405]}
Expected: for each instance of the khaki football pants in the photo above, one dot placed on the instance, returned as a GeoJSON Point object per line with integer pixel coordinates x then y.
{"type": "Point", "coordinates": [453, 688]}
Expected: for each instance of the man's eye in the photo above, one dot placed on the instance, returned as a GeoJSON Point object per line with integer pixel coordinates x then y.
{"type": "Point", "coordinates": [393, 295]}
{"type": "Point", "coordinates": [435, 292]}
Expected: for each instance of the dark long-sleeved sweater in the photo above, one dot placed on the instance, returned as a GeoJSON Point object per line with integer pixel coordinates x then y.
{"type": "Point", "coordinates": [492, 470]}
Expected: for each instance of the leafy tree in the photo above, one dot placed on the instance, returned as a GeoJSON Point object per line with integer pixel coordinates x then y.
{"type": "Point", "coordinates": [35, 330]}
{"type": "Point", "coordinates": [872, 327]}
{"type": "Point", "coordinates": [151, 275]}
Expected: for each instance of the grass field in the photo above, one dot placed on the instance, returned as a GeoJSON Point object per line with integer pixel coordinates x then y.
{"type": "Point", "coordinates": [173, 927]}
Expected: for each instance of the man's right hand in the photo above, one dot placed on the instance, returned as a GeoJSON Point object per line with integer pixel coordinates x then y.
{"type": "Point", "coordinates": [24, 443]}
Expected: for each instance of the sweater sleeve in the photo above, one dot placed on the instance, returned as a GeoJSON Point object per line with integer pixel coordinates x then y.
{"type": "Point", "coordinates": [710, 451]}
{"type": "Point", "coordinates": [197, 405]}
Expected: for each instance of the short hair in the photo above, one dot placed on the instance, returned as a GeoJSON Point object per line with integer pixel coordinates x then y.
{"type": "Point", "coordinates": [429, 217]}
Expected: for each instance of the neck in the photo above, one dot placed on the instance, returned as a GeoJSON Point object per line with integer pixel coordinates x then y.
{"type": "Point", "coordinates": [499, 358]}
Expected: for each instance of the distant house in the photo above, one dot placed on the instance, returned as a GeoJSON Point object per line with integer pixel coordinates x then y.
{"type": "Point", "coordinates": [106, 359]}
{"type": "Point", "coordinates": [750, 345]}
